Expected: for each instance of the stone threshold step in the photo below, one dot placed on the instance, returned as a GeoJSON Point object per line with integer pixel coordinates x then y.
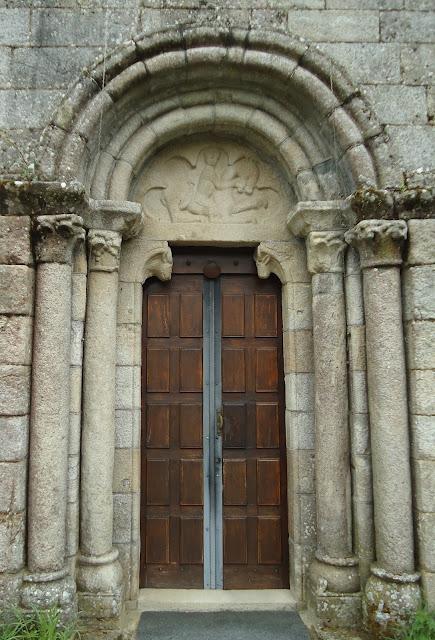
{"type": "Point", "coordinates": [190, 600]}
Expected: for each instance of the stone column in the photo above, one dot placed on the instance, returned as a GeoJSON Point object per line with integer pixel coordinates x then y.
{"type": "Point", "coordinates": [48, 581]}
{"type": "Point", "coordinates": [99, 573]}
{"type": "Point", "coordinates": [334, 572]}
{"type": "Point", "coordinates": [99, 576]}
{"type": "Point", "coordinates": [392, 592]}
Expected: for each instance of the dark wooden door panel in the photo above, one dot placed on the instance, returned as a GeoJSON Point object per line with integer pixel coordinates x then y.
{"type": "Point", "coordinates": [172, 483]}
{"type": "Point", "coordinates": [254, 501]}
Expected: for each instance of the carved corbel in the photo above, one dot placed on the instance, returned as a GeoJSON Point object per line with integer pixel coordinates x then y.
{"type": "Point", "coordinates": [274, 257]}
{"type": "Point", "coordinates": [56, 237]}
{"type": "Point", "coordinates": [379, 242]}
{"type": "Point", "coordinates": [157, 261]}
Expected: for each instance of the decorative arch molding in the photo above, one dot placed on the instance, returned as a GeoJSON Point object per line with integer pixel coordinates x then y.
{"type": "Point", "coordinates": [271, 90]}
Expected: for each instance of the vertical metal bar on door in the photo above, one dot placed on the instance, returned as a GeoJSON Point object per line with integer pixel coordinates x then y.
{"type": "Point", "coordinates": [212, 440]}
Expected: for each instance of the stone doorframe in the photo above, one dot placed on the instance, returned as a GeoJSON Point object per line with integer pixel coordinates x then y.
{"type": "Point", "coordinates": [99, 138]}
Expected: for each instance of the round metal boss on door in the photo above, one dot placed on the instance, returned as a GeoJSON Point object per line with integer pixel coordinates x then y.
{"type": "Point", "coordinates": [211, 270]}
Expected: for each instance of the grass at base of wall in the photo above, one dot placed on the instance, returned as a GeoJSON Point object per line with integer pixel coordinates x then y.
{"type": "Point", "coordinates": [421, 627]}
{"type": "Point", "coordinates": [39, 624]}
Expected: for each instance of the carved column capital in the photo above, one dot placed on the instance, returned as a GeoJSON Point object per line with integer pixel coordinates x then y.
{"type": "Point", "coordinates": [325, 252]}
{"type": "Point", "coordinates": [379, 242]}
{"type": "Point", "coordinates": [104, 250]}
{"type": "Point", "coordinates": [56, 237]}
{"type": "Point", "coordinates": [157, 261]}
{"type": "Point", "coordinates": [273, 257]}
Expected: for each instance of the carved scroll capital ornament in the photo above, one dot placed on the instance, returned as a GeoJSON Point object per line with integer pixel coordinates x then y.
{"type": "Point", "coordinates": [157, 261]}
{"type": "Point", "coordinates": [379, 242]}
{"type": "Point", "coordinates": [325, 251]}
{"type": "Point", "coordinates": [274, 257]}
{"type": "Point", "coordinates": [104, 250]}
{"type": "Point", "coordinates": [56, 237]}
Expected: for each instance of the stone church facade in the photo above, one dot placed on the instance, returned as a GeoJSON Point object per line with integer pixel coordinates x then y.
{"type": "Point", "coordinates": [301, 135]}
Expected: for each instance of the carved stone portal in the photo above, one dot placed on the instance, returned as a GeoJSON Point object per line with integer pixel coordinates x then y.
{"type": "Point", "coordinates": [212, 181]}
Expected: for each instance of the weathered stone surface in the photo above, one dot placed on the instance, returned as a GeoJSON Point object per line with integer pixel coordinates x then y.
{"type": "Point", "coordinates": [14, 390]}
{"type": "Point", "coordinates": [419, 284]}
{"type": "Point", "coordinates": [16, 289]}
{"type": "Point", "coordinates": [418, 64]}
{"type": "Point", "coordinates": [359, 26]}
{"type": "Point", "coordinates": [397, 104]}
{"type": "Point", "coordinates": [12, 486]}
{"type": "Point", "coordinates": [367, 63]}
{"type": "Point", "coordinates": [423, 436]}
{"type": "Point", "coordinates": [127, 428]}
{"type": "Point", "coordinates": [300, 430]}
{"type": "Point", "coordinates": [122, 515]}
{"type": "Point", "coordinates": [424, 474]}
{"type": "Point", "coordinates": [129, 303]}
{"type": "Point", "coordinates": [16, 339]}
{"type": "Point", "coordinates": [13, 437]}
{"type": "Point", "coordinates": [15, 26]}
{"type": "Point", "coordinates": [421, 246]}
{"type": "Point", "coordinates": [422, 396]}
{"type": "Point", "coordinates": [407, 26]}
{"type": "Point", "coordinates": [420, 338]}
{"type": "Point", "coordinates": [10, 590]}
{"type": "Point", "coordinates": [128, 344]}
{"type": "Point", "coordinates": [15, 240]}
{"type": "Point", "coordinates": [29, 106]}
{"type": "Point", "coordinates": [78, 296]}
{"type": "Point", "coordinates": [12, 532]}
{"type": "Point", "coordinates": [298, 351]}
{"type": "Point", "coordinates": [425, 529]}
{"type": "Point", "coordinates": [299, 390]}
{"type": "Point", "coordinates": [126, 471]}
{"type": "Point", "coordinates": [412, 146]}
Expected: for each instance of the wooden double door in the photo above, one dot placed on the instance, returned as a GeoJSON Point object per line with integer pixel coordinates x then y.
{"type": "Point", "coordinates": [214, 505]}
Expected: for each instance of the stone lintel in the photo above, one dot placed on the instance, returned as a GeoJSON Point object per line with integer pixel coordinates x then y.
{"type": "Point", "coordinates": [320, 215]}
{"type": "Point", "coordinates": [123, 217]}
{"type": "Point", "coordinates": [379, 242]}
{"type": "Point", "coordinates": [19, 197]}
{"type": "Point", "coordinates": [56, 237]}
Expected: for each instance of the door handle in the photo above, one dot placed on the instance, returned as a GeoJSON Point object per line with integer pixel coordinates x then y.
{"type": "Point", "coordinates": [219, 423]}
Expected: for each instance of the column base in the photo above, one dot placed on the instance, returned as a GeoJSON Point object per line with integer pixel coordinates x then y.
{"type": "Point", "coordinates": [389, 600]}
{"type": "Point", "coordinates": [100, 586]}
{"type": "Point", "coordinates": [45, 590]}
{"type": "Point", "coordinates": [335, 591]}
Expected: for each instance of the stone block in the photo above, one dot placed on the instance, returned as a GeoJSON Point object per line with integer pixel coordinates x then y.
{"type": "Point", "coordinates": [27, 106]}
{"type": "Point", "coordinates": [368, 4]}
{"type": "Point", "coordinates": [14, 390]}
{"type": "Point", "coordinates": [10, 590]}
{"type": "Point", "coordinates": [426, 540]}
{"type": "Point", "coordinates": [128, 344]}
{"type": "Point", "coordinates": [124, 388]}
{"type": "Point", "coordinates": [49, 67]}
{"type": "Point", "coordinates": [122, 517]}
{"type": "Point", "coordinates": [78, 301]}
{"type": "Point", "coordinates": [300, 430]}
{"type": "Point", "coordinates": [422, 392]}
{"type": "Point", "coordinates": [428, 585]}
{"type": "Point", "coordinates": [357, 347]}
{"type": "Point", "coordinates": [14, 435]}
{"type": "Point", "coordinates": [358, 392]}
{"type": "Point", "coordinates": [424, 480]}
{"type": "Point", "coordinates": [16, 289]}
{"type": "Point", "coordinates": [15, 247]}
{"type": "Point", "coordinates": [355, 303]}
{"type": "Point", "coordinates": [76, 390]}
{"type": "Point", "coordinates": [12, 529]}
{"type": "Point", "coordinates": [360, 433]}
{"type": "Point", "coordinates": [299, 391]}
{"type": "Point", "coordinates": [124, 428]}
{"type": "Point", "coordinates": [126, 470]}
{"type": "Point", "coordinates": [73, 477]}
{"type": "Point", "coordinates": [268, 19]}
{"type": "Point", "coordinates": [300, 307]}
{"type": "Point", "coordinates": [362, 475]}
{"type": "Point", "coordinates": [15, 26]}
{"type": "Point", "coordinates": [418, 64]}
{"type": "Point", "coordinates": [372, 63]}
{"type": "Point", "coordinates": [298, 351]}
{"type": "Point", "coordinates": [398, 104]}
{"type": "Point", "coordinates": [135, 516]}
{"type": "Point", "coordinates": [421, 242]}
{"type": "Point", "coordinates": [420, 338]}
{"type": "Point", "coordinates": [130, 303]}
{"type": "Point", "coordinates": [12, 486]}
{"type": "Point", "coordinates": [77, 343]}
{"type": "Point", "coordinates": [407, 26]}
{"type": "Point", "coordinates": [5, 64]}
{"type": "Point", "coordinates": [321, 26]}
{"type": "Point", "coordinates": [302, 471]}
{"type": "Point", "coordinates": [61, 27]}
{"type": "Point", "coordinates": [16, 339]}
{"type": "Point", "coordinates": [412, 146]}
{"type": "Point", "coordinates": [419, 285]}
{"type": "Point", "coordinates": [72, 529]}
{"type": "Point", "coordinates": [430, 97]}
{"type": "Point", "coordinates": [423, 436]}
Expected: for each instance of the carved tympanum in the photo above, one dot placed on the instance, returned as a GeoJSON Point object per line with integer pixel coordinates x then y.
{"type": "Point", "coordinates": [211, 181]}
